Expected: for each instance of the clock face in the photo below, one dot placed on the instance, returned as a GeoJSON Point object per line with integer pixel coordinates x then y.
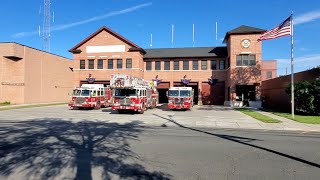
{"type": "Point", "coordinates": [245, 43]}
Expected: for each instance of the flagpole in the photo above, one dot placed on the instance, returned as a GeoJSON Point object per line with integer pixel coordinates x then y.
{"type": "Point", "coordinates": [292, 73]}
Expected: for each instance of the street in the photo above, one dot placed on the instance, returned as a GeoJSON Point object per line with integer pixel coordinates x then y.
{"type": "Point", "coordinates": [53, 146]}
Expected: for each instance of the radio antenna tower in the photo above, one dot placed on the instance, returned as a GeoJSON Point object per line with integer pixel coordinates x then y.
{"type": "Point", "coordinates": [46, 26]}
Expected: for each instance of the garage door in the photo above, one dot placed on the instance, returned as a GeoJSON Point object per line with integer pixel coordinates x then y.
{"type": "Point", "coordinates": [163, 87]}
{"type": "Point", "coordinates": [213, 94]}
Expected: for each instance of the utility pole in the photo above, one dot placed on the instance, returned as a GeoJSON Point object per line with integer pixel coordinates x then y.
{"type": "Point", "coordinates": [46, 26]}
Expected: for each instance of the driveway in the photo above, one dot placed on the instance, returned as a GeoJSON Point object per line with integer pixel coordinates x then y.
{"type": "Point", "coordinates": [199, 117]}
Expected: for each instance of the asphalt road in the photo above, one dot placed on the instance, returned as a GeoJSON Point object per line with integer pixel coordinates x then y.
{"type": "Point", "coordinates": [53, 148]}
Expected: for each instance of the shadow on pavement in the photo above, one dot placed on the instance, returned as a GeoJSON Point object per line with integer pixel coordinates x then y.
{"type": "Point", "coordinates": [45, 148]}
{"type": "Point", "coordinates": [164, 107]}
{"type": "Point", "coordinates": [214, 107]}
{"type": "Point", "coordinates": [244, 141]}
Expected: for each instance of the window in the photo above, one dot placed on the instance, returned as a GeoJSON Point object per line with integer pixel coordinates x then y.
{"type": "Point", "coordinates": [100, 63]}
{"type": "Point", "coordinates": [269, 74]}
{"type": "Point", "coordinates": [129, 63]}
{"type": "Point", "coordinates": [119, 63]}
{"type": "Point", "coordinates": [82, 64]}
{"type": "Point", "coordinates": [246, 60]}
{"type": "Point", "coordinates": [91, 64]}
{"type": "Point", "coordinates": [228, 62]}
{"type": "Point", "coordinates": [158, 65]}
{"type": "Point", "coordinates": [213, 64]}
{"type": "Point", "coordinates": [110, 63]}
{"type": "Point", "coordinates": [148, 65]}
{"type": "Point", "coordinates": [204, 65]}
{"type": "Point", "coordinates": [222, 64]}
{"type": "Point", "coordinates": [176, 65]}
{"type": "Point", "coordinates": [185, 65]}
{"type": "Point", "coordinates": [195, 65]}
{"type": "Point", "coordinates": [167, 65]}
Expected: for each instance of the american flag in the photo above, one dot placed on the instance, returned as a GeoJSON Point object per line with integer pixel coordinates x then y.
{"type": "Point", "coordinates": [283, 29]}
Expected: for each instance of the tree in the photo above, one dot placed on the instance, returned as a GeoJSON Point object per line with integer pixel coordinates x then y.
{"type": "Point", "coordinates": [306, 96]}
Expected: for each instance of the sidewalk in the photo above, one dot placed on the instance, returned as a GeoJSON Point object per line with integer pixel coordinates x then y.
{"type": "Point", "coordinates": [227, 118]}
{"type": "Point", "coordinates": [12, 106]}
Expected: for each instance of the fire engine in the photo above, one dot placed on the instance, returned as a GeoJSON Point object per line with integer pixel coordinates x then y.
{"type": "Point", "coordinates": [180, 98]}
{"type": "Point", "coordinates": [91, 96]}
{"type": "Point", "coordinates": [133, 93]}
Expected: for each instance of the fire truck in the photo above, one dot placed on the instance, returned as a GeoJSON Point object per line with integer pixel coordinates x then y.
{"type": "Point", "coordinates": [180, 98]}
{"type": "Point", "coordinates": [133, 93]}
{"type": "Point", "coordinates": [91, 96]}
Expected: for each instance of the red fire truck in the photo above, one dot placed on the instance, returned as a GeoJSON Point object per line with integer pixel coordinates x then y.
{"type": "Point", "coordinates": [180, 98]}
{"type": "Point", "coordinates": [91, 96]}
{"type": "Point", "coordinates": [132, 93]}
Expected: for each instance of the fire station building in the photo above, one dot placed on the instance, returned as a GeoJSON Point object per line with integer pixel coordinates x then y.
{"type": "Point", "coordinates": [218, 75]}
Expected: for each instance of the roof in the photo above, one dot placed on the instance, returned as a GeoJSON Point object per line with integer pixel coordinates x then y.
{"type": "Point", "coordinates": [243, 30]}
{"type": "Point", "coordinates": [35, 49]}
{"type": "Point", "coordinates": [104, 28]}
{"type": "Point", "coordinates": [186, 52]}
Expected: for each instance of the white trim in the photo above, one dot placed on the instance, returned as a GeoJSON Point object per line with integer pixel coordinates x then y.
{"type": "Point", "coordinates": [249, 52]}
{"type": "Point", "coordinates": [91, 56]}
{"type": "Point", "coordinates": [103, 56]}
{"type": "Point", "coordinates": [106, 69]}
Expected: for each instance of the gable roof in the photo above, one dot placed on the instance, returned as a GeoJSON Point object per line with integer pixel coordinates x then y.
{"type": "Point", "coordinates": [186, 52]}
{"type": "Point", "coordinates": [243, 30]}
{"type": "Point", "coordinates": [104, 28]}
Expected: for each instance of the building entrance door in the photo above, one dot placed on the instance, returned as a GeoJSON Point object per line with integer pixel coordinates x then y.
{"type": "Point", "coordinates": [246, 93]}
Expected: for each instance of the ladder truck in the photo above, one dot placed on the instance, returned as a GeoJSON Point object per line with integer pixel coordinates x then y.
{"type": "Point", "coordinates": [133, 93]}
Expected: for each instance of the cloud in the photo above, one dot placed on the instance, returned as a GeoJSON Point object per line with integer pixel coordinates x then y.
{"type": "Point", "coordinates": [307, 17]}
{"type": "Point", "coordinates": [312, 58]}
{"type": "Point", "coordinates": [301, 63]}
{"type": "Point", "coordinates": [96, 18]}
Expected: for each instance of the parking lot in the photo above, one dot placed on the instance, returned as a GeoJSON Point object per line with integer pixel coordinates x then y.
{"type": "Point", "coordinates": [199, 116]}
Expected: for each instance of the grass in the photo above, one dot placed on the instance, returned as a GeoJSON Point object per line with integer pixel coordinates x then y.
{"type": "Point", "coordinates": [30, 106]}
{"type": "Point", "coordinates": [4, 103]}
{"type": "Point", "coordinates": [258, 116]}
{"type": "Point", "coordinates": [299, 118]}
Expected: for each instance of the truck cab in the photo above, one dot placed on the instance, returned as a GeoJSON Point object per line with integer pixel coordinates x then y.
{"type": "Point", "coordinates": [90, 96]}
{"type": "Point", "coordinates": [180, 98]}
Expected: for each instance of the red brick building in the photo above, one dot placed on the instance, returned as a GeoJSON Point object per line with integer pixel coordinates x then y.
{"type": "Point", "coordinates": [219, 75]}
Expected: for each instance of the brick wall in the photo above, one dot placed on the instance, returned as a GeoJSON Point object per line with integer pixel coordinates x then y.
{"type": "Point", "coordinates": [12, 84]}
{"type": "Point", "coordinates": [274, 89]}
{"type": "Point", "coordinates": [269, 66]}
{"type": "Point", "coordinates": [103, 39]}
{"type": "Point", "coordinates": [28, 75]}
{"type": "Point", "coordinates": [244, 75]}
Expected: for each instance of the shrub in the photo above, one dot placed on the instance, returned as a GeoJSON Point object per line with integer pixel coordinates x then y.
{"type": "Point", "coordinates": [5, 103]}
{"type": "Point", "coordinates": [306, 96]}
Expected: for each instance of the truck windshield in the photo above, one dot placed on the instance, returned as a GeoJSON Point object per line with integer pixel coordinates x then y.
{"type": "Point", "coordinates": [173, 93]}
{"type": "Point", "coordinates": [125, 92]}
{"type": "Point", "coordinates": [184, 93]}
{"type": "Point", "coordinates": [85, 93]}
{"type": "Point", "coordinates": [76, 92]}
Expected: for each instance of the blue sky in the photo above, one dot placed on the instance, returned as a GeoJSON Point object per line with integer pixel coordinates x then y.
{"type": "Point", "coordinates": [136, 19]}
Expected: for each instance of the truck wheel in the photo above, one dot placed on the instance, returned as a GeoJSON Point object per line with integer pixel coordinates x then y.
{"type": "Point", "coordinates": [98, 106]}
{"type": "Point", "coordinates": [143, 107]}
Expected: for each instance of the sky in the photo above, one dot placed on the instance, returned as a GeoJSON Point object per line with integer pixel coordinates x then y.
{"type": "Point", "coordinates": [137, 19]}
